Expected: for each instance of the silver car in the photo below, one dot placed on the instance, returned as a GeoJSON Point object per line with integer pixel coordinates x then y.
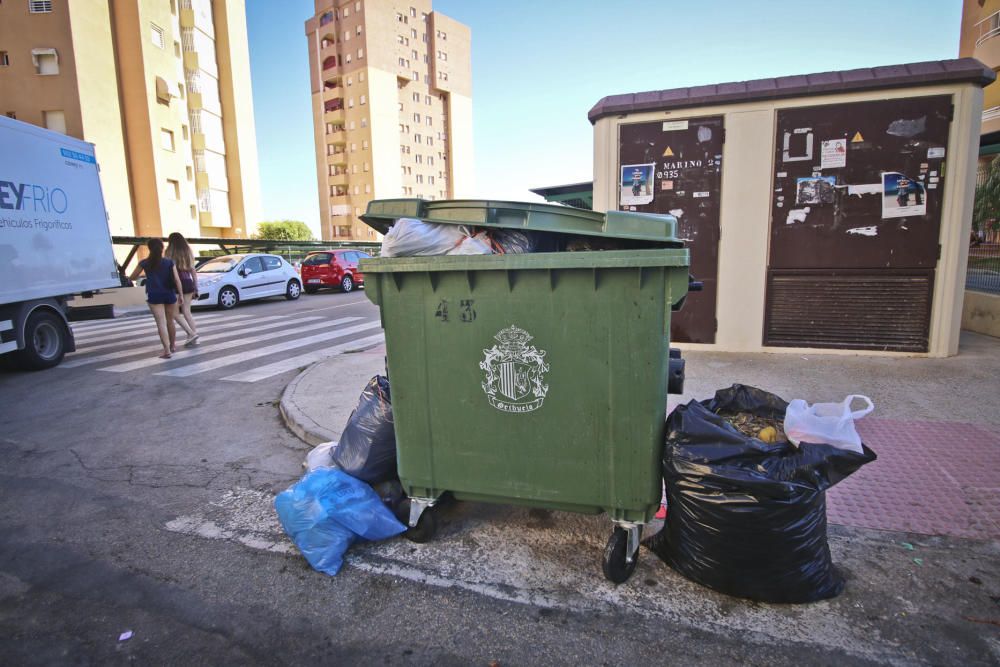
{"type": "Point", "coordinates": [227, 280]}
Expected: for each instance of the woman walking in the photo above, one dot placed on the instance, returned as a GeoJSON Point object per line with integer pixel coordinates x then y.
{"type": "Point", "coordinates": [162, 287]}
{"type": "Point", "coordinates": [180, 253]}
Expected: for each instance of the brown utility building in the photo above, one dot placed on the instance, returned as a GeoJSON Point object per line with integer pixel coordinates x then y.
{"type": "Point", "coordinates": [825, 211]}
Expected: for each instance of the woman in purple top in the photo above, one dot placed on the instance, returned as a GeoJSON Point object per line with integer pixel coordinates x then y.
{"type": "Point", "coordinates": [163, 284]}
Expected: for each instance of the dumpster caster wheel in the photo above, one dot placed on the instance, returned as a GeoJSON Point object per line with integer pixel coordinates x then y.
{"type": "Point", "coordinates": [617, 564]}
{"type": "Point", "coordinates": [426, 525]}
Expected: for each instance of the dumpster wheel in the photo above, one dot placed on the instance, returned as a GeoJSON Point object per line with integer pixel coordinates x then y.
{"type": "Point", "coordinates": [426, 524]}
{"type": "Point", "coordinates": [618, 564]}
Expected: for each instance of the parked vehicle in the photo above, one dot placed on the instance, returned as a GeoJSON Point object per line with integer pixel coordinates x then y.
{"type": "Point", "coordinates": [227, 280]}
{"type": "Point", "coordinates": [55, 239]}
{"type": "Point", "coordinates": [333, 268]}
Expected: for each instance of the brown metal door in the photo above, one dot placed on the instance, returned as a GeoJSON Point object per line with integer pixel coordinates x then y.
{"type": "Point", "coordinates": [855, 218]}
{"type": "Point", "coordinates": [675, 167]}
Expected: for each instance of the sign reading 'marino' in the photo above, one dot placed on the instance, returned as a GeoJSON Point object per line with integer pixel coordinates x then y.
{"type": "Point", "coordinates": [514, 372]}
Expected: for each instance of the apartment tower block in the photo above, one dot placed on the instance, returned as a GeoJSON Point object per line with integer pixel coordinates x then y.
{"type": "Point", "coordinates": [161, 88]}
{"type": "Point", "coordinates": [392, 107]}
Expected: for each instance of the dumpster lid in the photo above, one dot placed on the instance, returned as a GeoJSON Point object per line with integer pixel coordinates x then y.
{"type": "Point", "coordinates": [383, 213]}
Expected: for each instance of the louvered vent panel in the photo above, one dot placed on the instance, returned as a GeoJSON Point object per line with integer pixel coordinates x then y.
{"type": "Point", "coordinates": [884, 311]}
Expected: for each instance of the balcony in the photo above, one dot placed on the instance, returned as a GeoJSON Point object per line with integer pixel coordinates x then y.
{"type": "Point", "coordinates": [338, 201]}
{"type": "Point", "coordinates": [326, 52]}
{"type": "Point", "coordinates": [337, 158]}
{"type": "Point", "coordinates": [334, 116]}
{"type": "Point", "coordinates": [197, 141]}
{"type": "Point", "coordinates": [191, 60]}
{"type": "Point", "coordinates": [987, 45]}
{"type": "Point", "coordinates": [338, 138]}
{"type": "Point", "coordinates": [338, 179]}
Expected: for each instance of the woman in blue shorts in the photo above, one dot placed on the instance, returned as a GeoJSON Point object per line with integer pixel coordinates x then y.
{"type": "Point", "coordinates": [163, 284]}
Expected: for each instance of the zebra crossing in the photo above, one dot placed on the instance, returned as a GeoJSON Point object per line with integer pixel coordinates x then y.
{"type": "Point", "coordinates": [253, 346]}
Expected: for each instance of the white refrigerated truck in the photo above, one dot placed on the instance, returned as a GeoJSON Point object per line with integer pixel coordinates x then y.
{"type": "Point", "coordinates": [54, 239]}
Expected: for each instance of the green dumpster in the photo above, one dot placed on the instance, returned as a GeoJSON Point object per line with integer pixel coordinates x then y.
{"type": "Point", "coordinates": [533, 379]}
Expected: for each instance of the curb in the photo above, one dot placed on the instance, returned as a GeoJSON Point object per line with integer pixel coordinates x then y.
{"type": "Point", "coordinates": [297, 421]}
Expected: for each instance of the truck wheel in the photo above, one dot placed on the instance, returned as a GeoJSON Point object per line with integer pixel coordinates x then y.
{"type": "Point", "coordinates": [293, 290]}
{"type": "Point", "coordinates": [228, 297]}
{"type": "Point", "coordinates": [44, 342]}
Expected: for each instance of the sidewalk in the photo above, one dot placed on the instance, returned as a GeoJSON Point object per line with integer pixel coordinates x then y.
{"type": "Point", "coordinates": [936, 425]}
{"type": "Point", "coordinates": [916, 533]}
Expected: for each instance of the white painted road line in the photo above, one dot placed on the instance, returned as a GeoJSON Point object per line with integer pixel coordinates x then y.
{"type": "Point", "coordinates": [292, 363]}
{"type": "Point", "coordinates": [203, 330]}
{"type": "Point", "coordinates": [283, 321]}
{"type": "Point", "coordinates": [103, 325]}
{"type": "Point", "coordinates": [185, 371]}
{"type": "Point", "coordinates": [207, 349]}
{"type": "Point", "coordinates": [131, 330]}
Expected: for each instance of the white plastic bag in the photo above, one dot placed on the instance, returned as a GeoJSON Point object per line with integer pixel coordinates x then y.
{"type": "Point", "coordinates": [826, 423]}
{"type": "Point", "coordinates": [320, 456]}
{"type": "Point", "coordinates": [473, 245]}
{"type": "Point", "coordinates": [410, 237]}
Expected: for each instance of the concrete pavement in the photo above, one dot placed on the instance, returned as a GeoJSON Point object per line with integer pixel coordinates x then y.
{"type": "Point", "coordinates": [916, 533]}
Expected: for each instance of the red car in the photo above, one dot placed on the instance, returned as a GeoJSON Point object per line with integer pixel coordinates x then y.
{"type": "Point", "coordinates": [332, 268]}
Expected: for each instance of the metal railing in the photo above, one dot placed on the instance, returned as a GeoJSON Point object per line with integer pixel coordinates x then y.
{"type": "Point", "coordinates": [988, 27]}
{"type": "Point", "coordinates": [983, 272]}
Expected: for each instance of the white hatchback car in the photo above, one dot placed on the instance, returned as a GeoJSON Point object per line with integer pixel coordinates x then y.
{"type": "Point", "coordinates": [225, 281]}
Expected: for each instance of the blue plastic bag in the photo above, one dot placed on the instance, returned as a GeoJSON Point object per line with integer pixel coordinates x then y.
{"type": "Point", "coordinates": [327, 510]}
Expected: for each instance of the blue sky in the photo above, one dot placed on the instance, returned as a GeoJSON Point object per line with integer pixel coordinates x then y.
{"type": "Point", "coordinates": [538, 68]}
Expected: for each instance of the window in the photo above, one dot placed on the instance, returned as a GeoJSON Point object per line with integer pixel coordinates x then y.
{"type": "Point", "coordinates": [173, 7]}
{"type": "Point", "coordinates": [271, 262]}
{"type": "Point", "coordinates": [190, 172]}
{"type": "Point", "coordinates": [430, 159]}
{"type": "Point", "coordinates": [413, 33]}
{"type": "Point", "coordinates": [442, 55]}
{"type": "Point", "coordinates": [442, 35]}
{"type": "Point", "coordinates": [174, 188]}
{"type": "Point", "coordinates": [419, 159]}
{"type": "Point", "coordinates": [402, 40]}
{"type": "Point", "coordinates": [368, 189]}
{"type": "Point", "coordinates": [427, 100]}
{"type": "Point", "coordinates": [350, 81]}
{"type": "Point", "coordinates": [4, 59]}
{"type": "Point", "coordinates": [357, 7]}
{"type": "Point", "coordinates": [430, 121]}
{"type": "Point", "coordinates": [364, 144]}
{"type": "Point", "coordinates": [253, 265]}
{"type": "Point", "coordinates": [347, 58]}
{"type": "Point", "coordinates": [156, 33]}
{"type": "Point", "coordinates": [351, 125]}
{"type": "Point", "coordinates": [430, 179]}
{"type": "Point", "coordinates": [177, 49]}
{"type": "Point", "coordinates": [367, 167]}
{"type": "Point", "coordinates": [364, 122]}
{"type": "Point", "coordinates": [166, 139]}
{"type": "Point", "coordinates": [347, 12]}
{"type": "Point", "coordinates": [417, 138]}
{"type": "Point", "coordinates": [184, 132]}
{"type": "Point", "coordinates": [55, 120]}
{"type": "Point", "coordinates": [416, 97]}
{"type": "Point", "coordinates": [356, 190]}
{"type": "Point", "coordinates": [39, 6]}
{"type": "Point", "coordinates": [194, 212]}
{"type": "Point", "coordinates": [400, 18]}
{"type": "Point", "coordinates": [430, 141]}
{"type": "Point", "coordinates": [361, 77]}
{"type": "Point", "coordinates": [347, 35]}
{"type": "Point", "coordinates": [413, 12]}
{"type": "Point", "coordinates": [350, 102]}
{"type": "Point", "coordinates": [416, 118]}
{"type": "Point", "coordinates": [46, 61]}
{"type": "Point", "coordinates": [414, 55]}
{"type": "Point", "coordinates": [358, 31]}
{"type": "Point", "coordinates": [420, 178]}
{"type": "Point", "coordinates": [361, 54]}
{"type": "Point", "coordinates": [354, 147]}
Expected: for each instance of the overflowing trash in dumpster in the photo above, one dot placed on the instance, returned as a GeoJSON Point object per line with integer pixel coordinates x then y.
{"type": "Point", "coordinates": [493, 405]}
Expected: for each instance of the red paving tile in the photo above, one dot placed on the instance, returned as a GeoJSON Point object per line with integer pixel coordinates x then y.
{"type": "Point", "coordinates": [934, 478]}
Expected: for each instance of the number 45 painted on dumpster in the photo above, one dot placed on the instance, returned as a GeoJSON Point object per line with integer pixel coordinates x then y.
{"type": "Point", "coordinates": [466, 310]}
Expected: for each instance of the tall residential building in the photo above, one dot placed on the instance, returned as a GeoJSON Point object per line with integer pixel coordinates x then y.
{"type": "Point", "coordinates": [161, 87]}
{"type": "Point", "coordinates": [980, 39]}
{"type": "Point", "coordinates": [392, 107]}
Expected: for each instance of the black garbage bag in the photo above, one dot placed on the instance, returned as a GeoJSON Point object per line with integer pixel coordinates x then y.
{"type": "Point", "coordinates": [745, 517]}
{"type": "Point", "coordinates": [367, 447]}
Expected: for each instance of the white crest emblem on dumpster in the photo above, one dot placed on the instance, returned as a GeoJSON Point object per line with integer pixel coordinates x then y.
{"type": "Point", "coordinates": [514, 372]}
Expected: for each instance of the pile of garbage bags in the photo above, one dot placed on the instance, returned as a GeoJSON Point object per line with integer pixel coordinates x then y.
{"type": "Point", "coordinates": [748, 517]}
{"type": "Point", "coordinates": [350, 491]}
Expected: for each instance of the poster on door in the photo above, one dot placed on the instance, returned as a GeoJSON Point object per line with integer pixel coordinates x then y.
{"type": "Point", "coordinates": [902, 196]}
{"type": "Point", "coordinates": [636, 184]}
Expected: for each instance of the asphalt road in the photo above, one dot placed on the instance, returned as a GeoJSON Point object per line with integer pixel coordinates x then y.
{"type": "Point", "coordinates": [136, 498]}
